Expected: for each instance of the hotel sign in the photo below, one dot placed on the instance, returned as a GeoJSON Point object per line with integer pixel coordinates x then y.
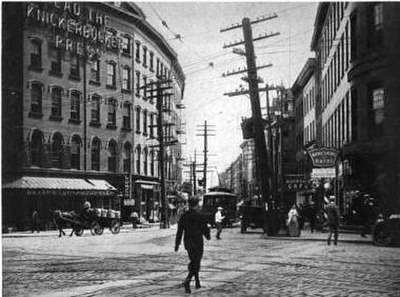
{"type": "Point", "coordinates": [323, 157]}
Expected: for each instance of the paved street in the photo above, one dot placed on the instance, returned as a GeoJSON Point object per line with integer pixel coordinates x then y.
{"type": "Point", "coordinates": [142, 263]}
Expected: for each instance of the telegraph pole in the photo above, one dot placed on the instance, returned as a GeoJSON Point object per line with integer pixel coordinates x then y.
{"type": "Point", "coordinates": [257, 121]}
{"type": "Point", "coordinates": [206, 130]}
{"type": "Point", "coordinates": [160, 88]}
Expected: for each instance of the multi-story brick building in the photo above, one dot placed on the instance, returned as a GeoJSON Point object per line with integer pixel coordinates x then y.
{"type": "Point", "coordinates": [357, 109]}
{"type": "Point", "coordinates": [77, 120]}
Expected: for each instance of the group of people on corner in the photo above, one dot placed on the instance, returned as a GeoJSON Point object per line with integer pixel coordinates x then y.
{"type": "Point", "coordinates": [295, 221]}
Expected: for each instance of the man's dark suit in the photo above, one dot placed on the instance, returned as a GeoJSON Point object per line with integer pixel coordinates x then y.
{"type": "Point", "coordinates": [194, 227]}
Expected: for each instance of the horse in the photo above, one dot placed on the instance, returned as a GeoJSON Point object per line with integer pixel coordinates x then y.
{"type": "Point", "coordinates": [62, 219]}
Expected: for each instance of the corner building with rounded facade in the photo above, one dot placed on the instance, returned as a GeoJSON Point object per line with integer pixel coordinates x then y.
{"type": "Point", "coordinates": [79, 109]}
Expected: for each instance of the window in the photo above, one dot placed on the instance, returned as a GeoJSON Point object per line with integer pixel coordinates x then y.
{"type": "Point", "coordinates": [56, 61]}
{"type": "Point", "coordinates": [354, 115]}
{"type": "Point", "coordinates": [37, 148]}
{"type": "Point", "coordinates": [95, 111]}
{"type": "Point", "coordinates": [95, 71]}
{"type": "Point", "coordinates": [112, 157]}
{"type": "Point", "coordinates": [137, 54]}
{"type": "Point", "coordinates": [126, 45]}
{"type": "Point", "coordinates": [145, 156]}
{"type": "Point", "coordinates": [127, 157]}
{"type": "Point", "coordinates": [376, 96]}
{"type": "Point", "coordinates": [36, 54]}
{"type": "Point", "coordinates": [138, 153]}
{"type": "Point", "coordinates": [126, 78]}
{"type": "Point", "coordinates": [111, 73]}
{"type": "Point", "coordinates": [75, 106]}
{"type": "Point", "coordinates": [375, 25]}
{"type": "Point", "coordinates": [144, 86]}
{"type": "Point", "coordinates": [137, 83]}
{"type": "Point", "coordinates": [76, 152]}
{"type": "Point", "coordinates": [95, 154]}
{"type": "Point", "coordinates": [353, 36]}
{"type": "Point", "coordinates": [145, 56]}
{"type": "Point", "coordinates": [36, 98]}
{"type": "Point", "coordinates": [152, 163]}
{"type": "Point", "coordinates": [158, 67]}
{"type": "Point", "coordinates": [145, 122]}
{"type": "Point", "coordinates": [74, 70]}
{"type": "Point", "coordinates": [151, 61]}
{"type": "Point", "coordinates": [126, 116]}
{"type": "Point", "coordinates": [57, 150]}
{"type": "Point", "coordinates": [56, 94]}
{"type": "Point", "coordinates": [137, 119]}
{"type": "Point", "coordinates": [112, 110]}
{"type": "Point", "coordinates": [152, 125]}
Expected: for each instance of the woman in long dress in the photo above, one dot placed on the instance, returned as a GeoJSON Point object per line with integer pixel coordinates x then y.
{"type": "Point", "coordinates": [293, 222]}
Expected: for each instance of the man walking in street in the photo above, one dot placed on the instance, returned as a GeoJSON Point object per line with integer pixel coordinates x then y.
{"type": "Point", "coordinates": [333, 215]}
{"type": "Point", "coordinates": [194, 227]}
{"type": "Point", "coordinates": [218, 221]}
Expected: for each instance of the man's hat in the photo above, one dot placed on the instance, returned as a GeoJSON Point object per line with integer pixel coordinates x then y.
{"type": "Point", "coordinates": [87, 205]}
{"type": "Point", "coordinates": [220, 208]}
{"type": "Point", "coordinates": [332, 198]}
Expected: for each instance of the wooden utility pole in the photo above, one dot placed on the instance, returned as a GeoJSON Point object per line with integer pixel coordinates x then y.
{"type": "Point", "coordinates": [160, 88]}
{"type": "Point", "coordinates": [206, 131]}
{"type": "Point", "coordinates": [262, 166]}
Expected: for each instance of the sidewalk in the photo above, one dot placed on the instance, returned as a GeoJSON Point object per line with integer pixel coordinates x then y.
{"type": "Point", "coordinates": [306, 235]}
{"type": "Point", "coordinates": [125, 228]}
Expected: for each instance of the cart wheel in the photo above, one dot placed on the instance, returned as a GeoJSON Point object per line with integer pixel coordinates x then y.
{"type": "Point", "coordinates": [381, 235]}
{"type": "Point", "coordinates": [78, 231]}
{"type": "Point", "coordinates": [115, 226]}
{"type": "Point", "coordinates": [95, 228]}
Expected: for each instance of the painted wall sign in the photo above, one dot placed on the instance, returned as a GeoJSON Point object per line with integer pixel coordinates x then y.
{"type": "Point", "coordinates": [75, 27]}
{"type": "Point", "coordinates": [323, 157]}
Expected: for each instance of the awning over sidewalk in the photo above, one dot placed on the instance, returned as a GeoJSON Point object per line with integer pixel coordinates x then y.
{"type": "Point", "coordinates": [68, 186]}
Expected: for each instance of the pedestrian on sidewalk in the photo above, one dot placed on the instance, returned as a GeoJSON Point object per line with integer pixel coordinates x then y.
{"type": "Point", "coordinates": [293, 222]}
{"type": "Point", "coordinates": [193, 226]}
{"type": "Point", "coordinates": [333, 215]}
{"type": "Point", "coordinates": [35, 221]}
{"type": "Point", "coordinates": [218, 221]}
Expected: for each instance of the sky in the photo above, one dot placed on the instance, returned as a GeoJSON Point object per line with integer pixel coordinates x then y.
{"type": "Point", "coordinates": [203, 59]}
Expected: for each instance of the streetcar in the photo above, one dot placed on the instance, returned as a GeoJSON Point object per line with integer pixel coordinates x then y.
{"type": "Point", "coordinates": [219, 197]}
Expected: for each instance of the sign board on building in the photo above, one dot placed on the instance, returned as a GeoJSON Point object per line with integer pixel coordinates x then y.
{"type": "Point", "coordinates": [127, 188]}
{"type": "Point", "coordinates": [323, 173]}
{"type": "Point", "coordinates": [378, 101]}
{"type": "Point", "coordinates": [295, 182]}
{"type": "Point", "coordinates": [129, 202]}
{"type": "Point", "coordinates": [323, 157]}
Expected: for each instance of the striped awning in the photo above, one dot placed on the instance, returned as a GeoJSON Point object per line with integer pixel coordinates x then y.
{"type": "Point", "coordinates": [52, 185]}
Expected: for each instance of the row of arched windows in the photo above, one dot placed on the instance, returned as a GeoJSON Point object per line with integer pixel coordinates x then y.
{"type": "Point", "coordinates": [57, 154]}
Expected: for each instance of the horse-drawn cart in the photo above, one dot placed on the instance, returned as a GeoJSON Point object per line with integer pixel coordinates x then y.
{"type": "Point", "coordinates": [94, 220]}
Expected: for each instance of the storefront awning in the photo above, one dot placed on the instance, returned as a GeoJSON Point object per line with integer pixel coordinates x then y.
{"type": "Point", "coordinates": [51, 185]}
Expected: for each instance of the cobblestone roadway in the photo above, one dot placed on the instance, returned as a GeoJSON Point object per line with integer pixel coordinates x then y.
{"type": "Point", "coordinates": [238, 265]}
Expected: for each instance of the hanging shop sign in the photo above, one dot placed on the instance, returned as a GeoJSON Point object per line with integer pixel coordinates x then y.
{"type": "Point", "coordinates": [318, 173]}
{"type": "Point", "coordinates": [127, 188]}
{"type": "Point", "coordinates": [295, 182]}
{"type": "Point", "coordinates": [75, 27]}
{"type": "Point", "coordinates": [323, 157]}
